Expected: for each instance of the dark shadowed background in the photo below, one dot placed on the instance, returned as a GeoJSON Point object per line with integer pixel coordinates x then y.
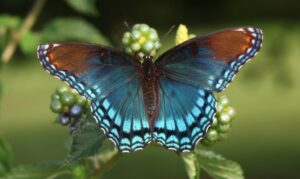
{"type": "Point", "coordinates": [264, 138]}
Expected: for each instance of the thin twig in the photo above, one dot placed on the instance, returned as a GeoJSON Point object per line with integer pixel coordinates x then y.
{"type": "Point", "coordinates": [26, 26]}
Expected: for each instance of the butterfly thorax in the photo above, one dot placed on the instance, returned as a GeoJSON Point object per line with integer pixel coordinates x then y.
{"type": "Point", "coordinates": [149, 75]}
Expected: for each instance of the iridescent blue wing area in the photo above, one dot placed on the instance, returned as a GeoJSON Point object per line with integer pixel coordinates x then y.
{"type": "Point", "coordinates": [108, 79]}
{"type": "Point", "coordinates": [210, 62]}
{"type": "Point", "coordinates": [122, 116]}
{"type": "Point", "coordinates": [185, 114]}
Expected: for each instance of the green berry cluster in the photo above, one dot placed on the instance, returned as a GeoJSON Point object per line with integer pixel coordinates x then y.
{"type": "Point", "coordinates": [141, 40]}
{"type": "Point", "coordinates": [69, 105]}
{"type": "Point", "coordinates": [221, 122]}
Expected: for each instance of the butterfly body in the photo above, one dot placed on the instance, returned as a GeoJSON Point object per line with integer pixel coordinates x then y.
{"type": "Point", "coordinates": [169, 101]}
{"type": "Point", "coordinates": [149, 75]}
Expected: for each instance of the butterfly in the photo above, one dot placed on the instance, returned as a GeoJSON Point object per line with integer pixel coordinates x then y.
{"type": "Point", "coordinates": [169, 100]}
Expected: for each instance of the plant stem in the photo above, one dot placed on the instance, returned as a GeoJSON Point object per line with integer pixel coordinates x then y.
{"type": "Point", "coordinates": [26, 26]}
{"type": "Point", "coordinates": [106, 164]}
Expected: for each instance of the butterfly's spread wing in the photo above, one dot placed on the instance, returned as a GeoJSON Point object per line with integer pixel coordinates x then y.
{"type": "Point", "coordinates": [185, 115]}
{"type": "Point", "coordinates": [190, 73]}
{"type": "Point", "coordinates": [210, 62]}
{"type": "Point", "coordinates": [108, 79]}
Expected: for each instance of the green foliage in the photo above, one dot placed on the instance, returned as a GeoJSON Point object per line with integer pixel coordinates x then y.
{"type": "Point", "coordinates": [72, 29]}
{"type": "Point", "coordinates": [1, 89]}
{"type": "Point", "coordinates": [217, 166]}
{"type": "Point", "coordinates": [46, 170]}
{"type": "Point", "coordinates": [84, 6]}
{"type": "Point", "coordinates": [29, 42]}
{"type": "Point", "coordinates": [9, 22]}
{"type": "Point", "coordinates": [191, 165]}
{"type": "Point", "coordinates": [213, 164]}
{"type": "Point", "coordinates": [87, 139]}
{"type": "Point", "coordinates": [5, 157]}
{"type": "Point", "coordinates": [79, 172]}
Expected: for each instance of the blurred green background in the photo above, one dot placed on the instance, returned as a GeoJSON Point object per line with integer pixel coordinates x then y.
{"type": "Point", "coordinates": [264, 138]}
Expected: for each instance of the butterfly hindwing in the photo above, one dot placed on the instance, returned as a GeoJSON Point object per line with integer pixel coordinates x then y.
{"type": "Point", "coordinates": [108, 79]}
{"type": "Point", "coordinates": [121, 116]}
{"type": "Point", "coordinates": [185, 114]}
{"type": "Point", "coordinates": [210, 62]}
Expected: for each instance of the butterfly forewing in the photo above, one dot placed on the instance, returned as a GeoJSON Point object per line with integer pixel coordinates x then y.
{"type": "Point", "coordinates": [211, 61]}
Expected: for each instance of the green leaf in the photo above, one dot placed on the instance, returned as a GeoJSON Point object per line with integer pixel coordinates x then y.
{"type": "Point", "coordinates": [10, 22]}
{"type": "Point", "coordinates": [5, 157]}
{"type": "Point", "coordinates": [72, 29]}
{"type": "Point", "coordinates": [191, 164]}
{"type": "Point", "coordinates": [217, 166]}
{"type": "Point", "coordinates": [84, 6]}
{"type": "Point", "coordinates": [1, 88]}
{"type": "Point", "coordinates": [79, 172]}
{"type": "Point", "coordinates": [47, 170]}
{"type": "Point", "coordinates": [87, 139]}
{"type": "Point", "coordinates": [29, 42]}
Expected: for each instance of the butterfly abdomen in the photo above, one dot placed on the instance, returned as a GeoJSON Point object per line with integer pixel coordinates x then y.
{"type": "Point", "coordinates": [150, 98]}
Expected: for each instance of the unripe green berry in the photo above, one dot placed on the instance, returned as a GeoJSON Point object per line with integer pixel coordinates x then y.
{"type": "Point", "coordinates": [135, 35]}
{"type": "Point", "coordinates": [224, 100]}
{"type": "Point", "coordinates": [62, 88]}
{"type": "Point", "coordinates": [212, 135]}
{"type": "Point", "coordinates": [55, 96]}
{"type": "Point", "coordinates": [135, 46]}
{"type": "Point", "coordinates": [136, 26]}
{"type": "Point", "coordinates": [157, 45]}
{"type": "Point", "coordinates": [223, 128]}
{"type": "Point", "coordinates": [153, 35]}
{"type": "Point", "coordinates": [56, 106]}
{"type": "Point", "coordinates": [128, 50]}
{"type": "Point", "coordinates": [230, 111]}
{"type": "Point", "coordinates": [219, 107]}
{"type": "Point", "coordinates": [68, 99]}
{"type": "Point", "coordinates": [148, 46]}
{"type": "Point", "coordinates": [215, 122]}
{"type": "Point", "coordinates": [81, 100]}
{"type": "Point", "coordinates": [144, 28]}
{"type": "Point", "coordinates": [225, 119]}
{"type": "Point", "coordinates": [207, 142]}
{"type": "Point", "coordinates": [126, 38]}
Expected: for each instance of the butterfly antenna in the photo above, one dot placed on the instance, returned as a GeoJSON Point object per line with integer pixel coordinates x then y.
{"type": "Point", "coordinates": [126, 25]}
{"type": "Point", "coordinates": [166, 34]}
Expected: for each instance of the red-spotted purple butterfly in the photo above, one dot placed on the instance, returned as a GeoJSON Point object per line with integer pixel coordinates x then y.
{"type": "Point", "coordinates": [169, 101]}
